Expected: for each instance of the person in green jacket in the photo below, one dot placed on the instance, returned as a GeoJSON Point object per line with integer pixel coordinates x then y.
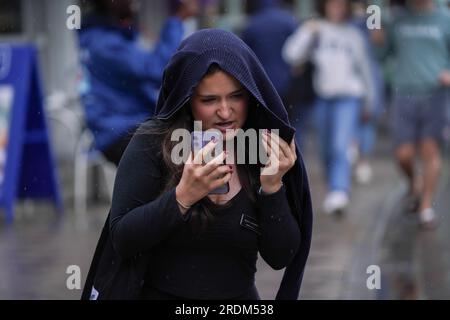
{"type": "Point", "coordinates": [419, 40]}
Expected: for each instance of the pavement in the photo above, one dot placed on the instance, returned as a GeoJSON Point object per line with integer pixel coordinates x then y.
{"type": "Point", "coordinates": [37, 249]}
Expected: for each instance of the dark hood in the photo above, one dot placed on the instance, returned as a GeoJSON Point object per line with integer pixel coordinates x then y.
{"type": "Point", "coordinates": [193, 58]}
{"type": "Point", "coordinates": [185, 70]}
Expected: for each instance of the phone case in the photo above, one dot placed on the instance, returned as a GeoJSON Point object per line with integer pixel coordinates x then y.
{"type": "Point", "coordinates": [201, 139]}
{"type": "Point", "coordinates": [221, 190]}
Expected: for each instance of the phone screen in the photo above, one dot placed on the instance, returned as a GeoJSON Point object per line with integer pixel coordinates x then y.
{"type": "Point", "coordinates": [201, 139]}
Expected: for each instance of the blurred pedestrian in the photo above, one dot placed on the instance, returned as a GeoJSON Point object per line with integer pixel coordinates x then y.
{"type": "Point", "coordinates": [343, 83]}
{"type": "Point", "coordinates": [419, 41]}
{"type": "Point", "coordinates": [151, 246]}
{"type": "Point", "coordinates": [121, 80]}
{"type": "Point", "coordinates": [268, 27]}
{"type": "Point", "coordinates": [367, 125]}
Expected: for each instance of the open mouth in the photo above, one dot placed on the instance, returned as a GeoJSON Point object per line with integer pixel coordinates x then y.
{"type": "Point", "coordinates": [222, 126]}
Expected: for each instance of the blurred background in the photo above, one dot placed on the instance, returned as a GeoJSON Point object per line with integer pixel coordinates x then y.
{"type": "Point", "coordinates": [360, 195]}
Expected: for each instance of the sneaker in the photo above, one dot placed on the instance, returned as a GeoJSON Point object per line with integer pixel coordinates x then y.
{"type": "Point", "coordinates": [363, 173]}
{"type": "Point", "coordinates": [427, 219]}
{"type": "Point", "coordinates": [335, 202]}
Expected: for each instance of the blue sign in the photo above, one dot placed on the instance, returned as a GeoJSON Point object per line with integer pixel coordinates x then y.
{"type": "Point", "coordinates": [27, 168]}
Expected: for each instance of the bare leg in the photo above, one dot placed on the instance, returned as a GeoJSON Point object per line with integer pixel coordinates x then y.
{"type": "Point", "coordinates": [431, 159]}
{"type": "Point", "coordinates": [405, 159]}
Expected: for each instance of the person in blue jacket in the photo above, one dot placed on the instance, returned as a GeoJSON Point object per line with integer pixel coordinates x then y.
{"type": "Point", "coordinates": [121, 80]}
{"type": "Point", "coordinates": [268, 28]}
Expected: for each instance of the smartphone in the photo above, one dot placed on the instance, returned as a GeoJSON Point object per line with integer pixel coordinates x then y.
{"type": "Point", "coordinates": [201, 139]}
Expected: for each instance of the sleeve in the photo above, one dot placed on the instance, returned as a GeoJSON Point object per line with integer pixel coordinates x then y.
{"type": "Point", "coordinates": [133, 62]}
{"type": "Point", "coordinates": [299, 193]}
{"type": "Point", "coordinates": [297, 46]}
{"type": "Point", "coordinates": [141, 217]}
{"type": "Point", "coordinates": [280, 233]}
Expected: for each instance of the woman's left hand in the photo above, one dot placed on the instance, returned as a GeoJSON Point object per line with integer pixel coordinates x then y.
{"type": "Point", "coordinates": [282, 157]}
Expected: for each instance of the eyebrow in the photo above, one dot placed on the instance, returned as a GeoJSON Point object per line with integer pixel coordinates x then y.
{"type": "Point", "coordinates": [214, 95]}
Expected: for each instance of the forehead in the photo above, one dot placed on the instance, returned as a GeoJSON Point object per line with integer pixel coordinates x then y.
{"type": "Point", "coordinates": [218, 82]}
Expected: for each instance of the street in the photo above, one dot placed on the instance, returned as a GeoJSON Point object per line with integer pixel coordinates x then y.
{"type": "Point", "coordinates": [37, 249]}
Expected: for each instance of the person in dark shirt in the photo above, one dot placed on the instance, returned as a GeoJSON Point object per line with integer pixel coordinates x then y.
{"type": "Point", "coordinates": [169, 235]}
{"type": "Point", "coordinates": [267, 29]}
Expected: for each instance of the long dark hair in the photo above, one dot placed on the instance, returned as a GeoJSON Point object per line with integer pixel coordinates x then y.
{"type": "Point", "coordinates": [161, 131]}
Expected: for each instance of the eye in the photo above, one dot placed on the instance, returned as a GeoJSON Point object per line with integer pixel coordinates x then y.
{"type": "Point", "coordinates": [208, 100]}
{"type": "Point", "coordinates": [237, 96]}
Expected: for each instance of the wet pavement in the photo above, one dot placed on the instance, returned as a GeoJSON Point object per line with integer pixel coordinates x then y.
{"type": "Point", "coordinates": [37, 249]}
{"type": "Point", "coordinates": [418, 262]}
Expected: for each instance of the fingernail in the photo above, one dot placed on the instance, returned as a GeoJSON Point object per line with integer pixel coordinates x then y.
{"type": "Point", "coordinates": [213, 139]}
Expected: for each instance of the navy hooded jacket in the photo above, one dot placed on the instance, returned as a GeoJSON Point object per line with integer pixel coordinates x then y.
{"type": "Point", "coordinates": [122, 278]}
{"type": "Point", "coordinates": [121, 81]}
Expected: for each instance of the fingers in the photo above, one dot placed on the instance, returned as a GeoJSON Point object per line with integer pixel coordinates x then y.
{"type": "Point", "coordinates": [220, 172]}
{"type": "Point", "coordinates": [272, 148]}
{"type": "Point", "coordinates": [214, 163]}
{"type": "Point", "coordinates": [198, 158]}
{"type": "Point", "coordinates": [293, 149]}
{"type": "Point", "coordinates": [221, 181]}
{"type": "Point", "coordinates": [274, 144]}
{"type": "Point", "coordinates": [190, 159]}
{"type": "Point", "coordinates": [286, 148]}
{"type": "Point", "coordinates": [266, 144]}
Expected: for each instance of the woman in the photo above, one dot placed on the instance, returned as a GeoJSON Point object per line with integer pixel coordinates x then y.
{"type": "Point", "coordinates": [166, 236]}
{"type": "Point", "coordinates": [343, 84]}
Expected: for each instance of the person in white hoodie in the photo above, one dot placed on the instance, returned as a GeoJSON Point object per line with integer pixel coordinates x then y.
{"type": "Point", "coordinates": [344, 87]}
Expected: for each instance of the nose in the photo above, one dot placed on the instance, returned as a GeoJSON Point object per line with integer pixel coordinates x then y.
{"type": "Point", "coordinates": [224, 112]}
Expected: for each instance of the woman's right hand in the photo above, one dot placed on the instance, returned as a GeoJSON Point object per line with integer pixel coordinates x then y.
{"type": "Point", "coordinates": [199, 179]}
